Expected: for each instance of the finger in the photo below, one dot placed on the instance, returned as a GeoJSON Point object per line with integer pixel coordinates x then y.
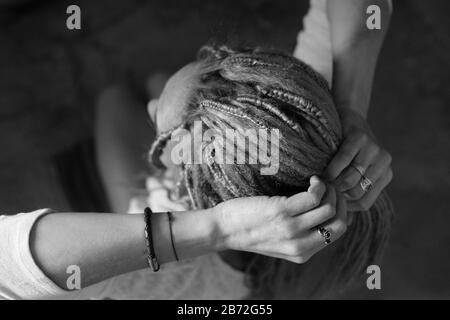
{"type": "Point", "coordinates": [305, 201]}
{"type": "Point", "coordinates": [316, 186]}
{"type": "Point", "coordinates": [355, 193]}
{"type": "Point", "coordinates": [374, 173]}
{"type": "Point", "coordinates": [301, 249]}
{"type": "Point", "coordinates": [350, 177]}
{"type": "Point", "coordinates": [337, 226]}
{"type": "Point", "coordinates": [288, 250]}
{"type": "Point", "coordinates": [341, 208]}
{"type": "Point", "coordinates": [294, 250]}
{"type": "Point", "coordinates": [348, 150]}
{"type": "Point", "coordinates": [317, 216]}
{"type": "Point", "coordinates": [272, 254]}
{"type": "Point", "coordinates": [370, 197]}
{"type": "Point", "coordinates": [379, 167]}
{"type": "Point", "coordinates": [316, 242]}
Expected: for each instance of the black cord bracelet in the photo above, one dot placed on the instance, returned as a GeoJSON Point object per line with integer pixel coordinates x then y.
{"type": "Point", "coordinates": [151, 255]}
{"type": "Point", "coordinates": [169, 215]}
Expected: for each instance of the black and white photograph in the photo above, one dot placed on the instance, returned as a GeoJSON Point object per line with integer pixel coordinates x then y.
{"type": "Point", "coordinates": [235, 151]}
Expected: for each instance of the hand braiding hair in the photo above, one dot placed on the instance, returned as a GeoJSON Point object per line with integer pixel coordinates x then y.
{"type": "Point", "coordinates": [256, 89]}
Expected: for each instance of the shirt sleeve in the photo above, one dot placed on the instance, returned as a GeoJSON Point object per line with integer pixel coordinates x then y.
{"type": "Point", "coordinates": [20, 277]}
{"type": "Point", "coordinates": [314, 41]}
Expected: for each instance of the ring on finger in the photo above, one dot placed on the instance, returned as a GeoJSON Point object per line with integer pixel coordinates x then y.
{"type": "Point", "coordinates": [358, 168]}
{"type": "Point", "coordinates": [325, 233]}
{"type": "Point", "coordinates": [365, 183]}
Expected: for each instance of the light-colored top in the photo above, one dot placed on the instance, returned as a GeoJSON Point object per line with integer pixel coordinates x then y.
{"type": "Point", "coordinates": [205, 277]}
{"type": "Point", "coordinates": [314, 41]}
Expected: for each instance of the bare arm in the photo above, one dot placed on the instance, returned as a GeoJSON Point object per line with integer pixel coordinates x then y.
{"type": "Point", "coordinates": [106, 245]}
{"type": "Point", "coordinates": [355, 50]}
{"type": "Point", "coordinates": [124, 134]}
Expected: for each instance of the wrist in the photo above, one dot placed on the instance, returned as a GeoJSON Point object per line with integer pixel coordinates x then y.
{"type": "Point", "coordinates": [223, 230]}
{"type": "Point", "coordinates": [357, 102]}
{"type": "Point", "coordinates": [197, 233]}
{"type": "Point", "coordinates": [213, 230]}
{"type": "Point", "coordinates": [351, 117]}
{"type": "Point", "coordinates": [353, 122]}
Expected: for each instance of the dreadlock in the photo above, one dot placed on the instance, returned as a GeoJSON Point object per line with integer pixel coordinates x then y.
{"type": "Point", "coordinates": [255, 88]}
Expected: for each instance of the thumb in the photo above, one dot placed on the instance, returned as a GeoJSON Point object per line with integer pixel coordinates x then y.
{"type": "Point", "coordinates": [305, 201]}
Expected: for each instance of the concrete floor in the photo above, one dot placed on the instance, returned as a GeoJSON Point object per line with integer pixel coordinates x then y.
{"type": "Point", "coordinates": [49, 78]}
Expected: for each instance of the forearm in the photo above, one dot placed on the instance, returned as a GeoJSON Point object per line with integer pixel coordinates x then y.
{"type": "Point", "coordinates": [355, 50]}
{"type": "Point", "coordinates": [123, 134]}
{"type": "Point", "coordinates": [107, 245]}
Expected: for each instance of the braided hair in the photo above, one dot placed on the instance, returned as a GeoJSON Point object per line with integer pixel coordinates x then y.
{"type": "Point", "coordinates": [254, 88]}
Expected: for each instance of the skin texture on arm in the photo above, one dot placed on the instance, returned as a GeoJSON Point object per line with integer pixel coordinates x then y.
{"type": "Point", "coordinates": [106, 245]}
{"type": "Point", "coordinates": [355, 50]}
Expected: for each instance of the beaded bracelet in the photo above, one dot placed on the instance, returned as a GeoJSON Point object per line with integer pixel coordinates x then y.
{"type": "Point", "coordinates": [151, 256]}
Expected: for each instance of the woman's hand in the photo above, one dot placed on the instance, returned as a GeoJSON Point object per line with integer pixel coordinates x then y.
{"type": "Point", "coordinates": [359, 156]}
{"type": "Point", "coordinates": [284, 227]}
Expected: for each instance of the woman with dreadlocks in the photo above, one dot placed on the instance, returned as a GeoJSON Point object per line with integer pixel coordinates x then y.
{"type": "Point", "coordinates": [227, 246]}
{"type": "Point", "coordinates": [225, 230]}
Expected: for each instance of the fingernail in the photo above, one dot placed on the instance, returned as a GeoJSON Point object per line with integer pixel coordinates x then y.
{"type": "Point", "coordinates": [314, 179]}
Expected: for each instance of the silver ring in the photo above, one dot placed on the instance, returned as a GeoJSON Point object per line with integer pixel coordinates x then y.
{"type": "Point", "coordinates": [325, 233]}
{"type": "Point", "coordinates": [365, 183]}
{"type": "Point", "coordinates": [359, 168]}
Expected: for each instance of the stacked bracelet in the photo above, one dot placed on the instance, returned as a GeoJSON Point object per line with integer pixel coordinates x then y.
{"type": "Point", "coordinates": [151, 256]}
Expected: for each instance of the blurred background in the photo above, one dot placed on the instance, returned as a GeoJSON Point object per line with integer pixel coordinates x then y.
{"type": "Point", "coordinates": [50, 78]}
